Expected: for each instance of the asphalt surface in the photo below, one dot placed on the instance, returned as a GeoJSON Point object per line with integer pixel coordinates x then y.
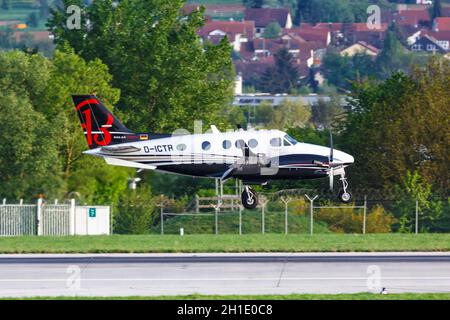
{"type": "Point", "coordinates": [182, 274]}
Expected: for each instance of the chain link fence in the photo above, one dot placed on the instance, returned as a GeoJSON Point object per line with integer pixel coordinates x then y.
{"type": "Point", "coordinates": [296, 212]}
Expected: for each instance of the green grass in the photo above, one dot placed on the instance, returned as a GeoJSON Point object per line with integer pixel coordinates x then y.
{"type": "Point", "coordinates": [223, 2]}
{"type": "Point", "coordinates": [227, 243]}
{"type": "Point", "coordinates": [228, 223]}
{"type": "Point", "coordinates": [356, 296]}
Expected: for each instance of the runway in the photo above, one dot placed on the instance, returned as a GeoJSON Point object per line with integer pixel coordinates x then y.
{"type": "Point", "coordinates": [259, 273]}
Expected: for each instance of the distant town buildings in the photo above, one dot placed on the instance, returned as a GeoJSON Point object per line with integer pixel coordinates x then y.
{"type": "Point", "coordinates": [308, 43]}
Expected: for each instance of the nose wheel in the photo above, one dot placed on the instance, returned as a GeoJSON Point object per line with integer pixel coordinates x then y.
{"type": "Point", "coordinates": [344, 195]}
{"type": "Point", "coordinates": [249, 198]}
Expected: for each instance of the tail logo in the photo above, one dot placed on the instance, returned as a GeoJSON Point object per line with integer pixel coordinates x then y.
{"type": "Point", "coordinates": [87, 125]}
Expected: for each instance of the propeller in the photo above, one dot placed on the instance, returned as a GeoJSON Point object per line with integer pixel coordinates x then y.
{"type": "Point", "coordinates": [330, 162]}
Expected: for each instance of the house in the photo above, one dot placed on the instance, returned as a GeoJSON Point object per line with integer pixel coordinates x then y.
{"type": "Point", "coordinates": [428, 44]}
{"type": "Point", "coordinates": [302, 51]}
{"type": "Point", "coordinates": [441, 24]}
{"type": "Point", "coordinates": [442, 38]}
{"type": "Point", "coordinates": [415, 18]}
{"type": "Point", "coordinates": [238, 32]}
{"type": "Point", "coordinates": [38, 36]}
{"type": "Point", "coordinates": [319, 35]}
{"type": "Point", "coordinates": [360, 47]}
{"type": "Point", "coordinates": [265, 16]}
{"type": "Point", "coordinates": [363, 32]}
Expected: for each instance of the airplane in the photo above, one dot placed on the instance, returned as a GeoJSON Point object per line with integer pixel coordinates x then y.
{"type": "Point", "coordinates": [254, 156]}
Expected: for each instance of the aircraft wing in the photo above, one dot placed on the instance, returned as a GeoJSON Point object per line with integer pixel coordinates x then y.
{"type": "Point", "coordinates": [130, 164]}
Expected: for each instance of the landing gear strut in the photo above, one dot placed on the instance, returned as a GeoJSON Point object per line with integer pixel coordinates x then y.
{"type": "Point", "coordinates": [344, 195]}
{"type": "Point", "coordinates": [249, 198]}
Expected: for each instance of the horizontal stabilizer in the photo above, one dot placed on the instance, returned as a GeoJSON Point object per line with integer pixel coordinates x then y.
{"type": "Point", "coordinates": [130, 164]}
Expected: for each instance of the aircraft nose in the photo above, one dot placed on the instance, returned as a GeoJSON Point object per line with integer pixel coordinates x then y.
{"type": "Point", "coordinates": [343, 157]}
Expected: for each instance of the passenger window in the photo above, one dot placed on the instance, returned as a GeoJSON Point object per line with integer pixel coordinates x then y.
{"type": "Point", "coordinates": [275, 142]}
{"type": "Point", "coordinates": [240, 144]}
{"type": "Point", "coordinates": [252, 143]}
{"type": "Point", "coordinates": [226, 144]}
{"type": "Point", "coordinates": [206, 145]}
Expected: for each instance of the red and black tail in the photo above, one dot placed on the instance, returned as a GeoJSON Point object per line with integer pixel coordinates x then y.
{"type": "Point", "coordinates": [100, 126]}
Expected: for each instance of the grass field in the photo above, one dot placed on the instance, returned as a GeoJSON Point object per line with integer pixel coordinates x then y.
{"type": "Point", "coordinates": [227, 243]}
{"type": "Point", "coordinates": [356, 296]}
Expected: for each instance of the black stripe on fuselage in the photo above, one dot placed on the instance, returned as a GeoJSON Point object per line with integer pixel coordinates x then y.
{"type": "Point", "coordinates": [296, 166]}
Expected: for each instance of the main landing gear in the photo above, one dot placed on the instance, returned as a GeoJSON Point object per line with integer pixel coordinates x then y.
{"type": "Point", "coordinates": [249, 198]}
{"type": "Point", "coordinates": [344, 195]}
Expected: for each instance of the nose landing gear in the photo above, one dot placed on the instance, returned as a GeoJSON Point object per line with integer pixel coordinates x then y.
{"type": "Point", "coordinates": [344, 195]}
{"type": "Point", "coordinates": [249, 198]}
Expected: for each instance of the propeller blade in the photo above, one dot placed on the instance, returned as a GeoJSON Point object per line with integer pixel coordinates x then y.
{"type": "Point", "coordinates": [331, 147]}
{"type": "Point", "coordinates": [331, 174]}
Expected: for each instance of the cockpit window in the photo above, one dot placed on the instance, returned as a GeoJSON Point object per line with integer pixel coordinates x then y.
{"type": "Point", "coordinates": [288, 140]}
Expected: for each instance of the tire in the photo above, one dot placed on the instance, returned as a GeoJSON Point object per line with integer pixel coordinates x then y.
{"type": "Point", "coordinates": [247, 202]}
{"type": "Point", "coordinates": [345, 197]}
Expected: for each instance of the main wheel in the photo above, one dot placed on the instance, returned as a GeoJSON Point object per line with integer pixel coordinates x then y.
{"type": "Point", "coordinates": [250, 199]}
{"type": "Point", "coordinates": [345, 196]}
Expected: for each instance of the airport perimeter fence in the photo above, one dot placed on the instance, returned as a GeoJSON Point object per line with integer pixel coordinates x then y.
{"type": "Point", "coordinates": [45, 219]}
{"type": "Point", "coordinates": [295, 213]}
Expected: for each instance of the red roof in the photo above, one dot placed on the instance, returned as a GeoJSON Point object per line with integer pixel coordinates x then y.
{"type": "Point", "coordinates": [369, 46]}
{"type": "Point", "coordinates": [231, 28]}
{"type": "Point", "coordinates": [263, 17]}
{"type": "Point", "coordinates": [363, 27]}
{"type": "Point", "coordinates": [310, 34]}
{"type": "Point", "coordinates": [332, 26]}
{"type": "Point", "coordinates": [443, 23]}
{"type": "Point", "coordinates": [440, 35]}
{"type": "Point", "coordinates": [413, 17]}
{"type": "Point", "coordinates": [37, 35]}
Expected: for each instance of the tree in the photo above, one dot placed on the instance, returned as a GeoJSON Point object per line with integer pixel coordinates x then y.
{"type": "Point", "coordinates": [264, 113]}
{"type": "Point", "coordinates": [167, 76]}
{"type": "Point", "coordinates": [283, 77]}
{"type": "Point", "coordinates": [290, 114]}
{"type": "Point", "coordinates": [42, 142]}
{"type": "Point", "coordinates": [29, 163]}
{"type": "Point", "coordinates": [323, 113]}
{"type": "Point", "coordinates": [272, 31]}
{"type": "Point", "coordinates": [393, 57]}
{"type": "Point", "coordinates": [344, 71]}
{"type": "Point", "coordinates": [135, 212]}
{"type": "Point", "coordinates": [400, 125]}
{"type": "Point", "coordinates": [32, 20]}
{"type": "Point", "coordinates": [437, 9]}
{"type": "Point", "coordinates": [413, 189]}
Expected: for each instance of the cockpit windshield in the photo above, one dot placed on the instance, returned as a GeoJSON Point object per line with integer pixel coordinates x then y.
{"type": "Point", "coordinates": [291, 140]}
